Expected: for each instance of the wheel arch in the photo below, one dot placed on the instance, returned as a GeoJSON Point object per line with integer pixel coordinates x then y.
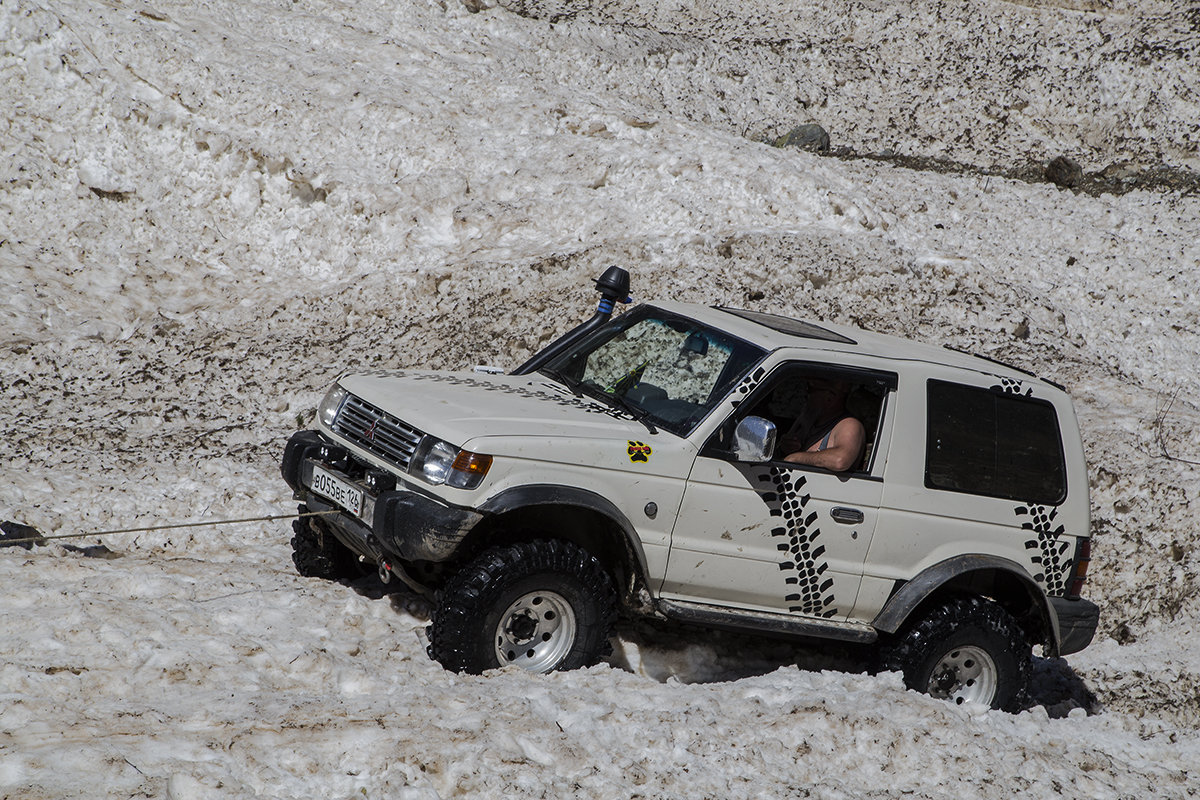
{"type": "Point", "coordinates": [582, 517]}
{"type": "Point", "coordinates": [999, 579]}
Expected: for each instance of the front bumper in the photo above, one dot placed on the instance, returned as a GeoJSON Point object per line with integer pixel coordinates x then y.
{"type": "Point", "coordinates": [400, 523]}
{"type": "Point", "coordinates": [1077, 622]}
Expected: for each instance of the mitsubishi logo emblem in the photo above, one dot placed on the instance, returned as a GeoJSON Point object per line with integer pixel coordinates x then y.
{"type": "Point", "coordinates": [370, 432]}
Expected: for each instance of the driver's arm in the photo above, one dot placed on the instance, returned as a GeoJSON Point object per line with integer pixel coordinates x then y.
{"type": "Point", "coordinates": [843, 452]}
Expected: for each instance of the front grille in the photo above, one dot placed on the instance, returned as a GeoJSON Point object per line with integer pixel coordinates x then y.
{"type": "Point", "coordinates": [377, 431]}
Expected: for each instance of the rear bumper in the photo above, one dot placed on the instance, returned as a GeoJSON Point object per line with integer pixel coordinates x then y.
{"type": "Point", "coordinates": [1077, 622]}
{"type": "Point", "coordinates": [401, 523]}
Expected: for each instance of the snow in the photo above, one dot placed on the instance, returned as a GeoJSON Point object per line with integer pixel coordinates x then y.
{"type": "Point", "coordinates": [208, 210]}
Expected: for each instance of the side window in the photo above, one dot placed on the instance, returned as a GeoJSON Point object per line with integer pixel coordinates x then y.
{"type": "Point", "coordinates": [805, 401]}
{"type": "Point", "coordinates": [984, 442]}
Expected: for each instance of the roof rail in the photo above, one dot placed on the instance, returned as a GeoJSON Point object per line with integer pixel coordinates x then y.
{"type": "Point", "coordinates": [1013, 367]}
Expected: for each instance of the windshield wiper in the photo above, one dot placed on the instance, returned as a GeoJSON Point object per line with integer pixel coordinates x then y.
{"type": "Point", "coordinates": [555, 375]}
{"type": "Point", "coordinates": [631, 408]}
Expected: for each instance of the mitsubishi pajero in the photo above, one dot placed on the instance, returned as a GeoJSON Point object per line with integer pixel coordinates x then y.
{"type": "Point", "coordinates": [638, 466]}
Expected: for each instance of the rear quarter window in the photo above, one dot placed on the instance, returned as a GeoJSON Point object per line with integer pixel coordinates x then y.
{"type": "Point", "coordinates": [985, 442]}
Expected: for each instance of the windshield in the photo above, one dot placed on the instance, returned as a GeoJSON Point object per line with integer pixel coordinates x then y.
{"type": "Point", "coordinates": [671, 369]}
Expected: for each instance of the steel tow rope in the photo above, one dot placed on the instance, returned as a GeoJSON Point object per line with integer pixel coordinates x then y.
{"type": "Point", "coordinates": [4, 542]}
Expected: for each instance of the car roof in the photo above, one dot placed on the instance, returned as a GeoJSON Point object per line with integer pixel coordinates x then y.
{"type": "Point", "coordinates": [775, 332]}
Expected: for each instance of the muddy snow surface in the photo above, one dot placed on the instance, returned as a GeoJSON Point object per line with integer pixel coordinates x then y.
{"type": "Point", "coordinates": [210, 209]}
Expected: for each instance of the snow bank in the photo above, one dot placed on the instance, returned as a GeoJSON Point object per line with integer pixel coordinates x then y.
{"type": "Point", "coordinates": [209, 210]}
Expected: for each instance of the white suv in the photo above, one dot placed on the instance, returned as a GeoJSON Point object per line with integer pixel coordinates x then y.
{"type": "Point", "coordinates": [637, 465]}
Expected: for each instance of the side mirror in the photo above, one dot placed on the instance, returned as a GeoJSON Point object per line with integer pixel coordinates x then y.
{"type": "Point", "coordinates": [754, 440]}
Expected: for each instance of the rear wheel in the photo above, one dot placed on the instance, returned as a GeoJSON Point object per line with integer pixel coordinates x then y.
{"type": "Point", "coordinates": [317, 553]}
{"type": "Point", "coordinates": [541, 606]}
{"type": "Point", "coordinates": [966, 650]}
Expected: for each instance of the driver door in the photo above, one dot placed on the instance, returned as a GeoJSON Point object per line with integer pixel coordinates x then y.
{"type": "Point", "coordinates": [776, 536]}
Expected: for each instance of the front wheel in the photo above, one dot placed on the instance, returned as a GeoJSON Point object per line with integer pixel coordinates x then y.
{"type": "Point", "coordinates": [965, 650]}
{"type": "Point", "coordinates": [542, 606]}
{"type": "Point", "coordinates": [317, 553]}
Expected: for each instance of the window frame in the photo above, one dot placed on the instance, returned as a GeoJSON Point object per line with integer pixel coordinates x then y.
{"type": "Point", "coordinates": [849, 372]}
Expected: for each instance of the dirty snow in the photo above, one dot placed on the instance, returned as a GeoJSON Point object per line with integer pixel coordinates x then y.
{"type": "Point", "coordinates": [208, 210]}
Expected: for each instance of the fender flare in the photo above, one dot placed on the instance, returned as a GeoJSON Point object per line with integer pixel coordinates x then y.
{"type": "Point", "coordinates": [900, 606]}
{"type": "Point", "coordinates": [549, 494]}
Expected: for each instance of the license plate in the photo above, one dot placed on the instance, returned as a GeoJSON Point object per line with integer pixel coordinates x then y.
{"type": "Point", "coordinates": [339, 491]}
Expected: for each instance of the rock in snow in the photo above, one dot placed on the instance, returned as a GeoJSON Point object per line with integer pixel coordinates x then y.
{"type": "Point", "coordinates": [806, 137]}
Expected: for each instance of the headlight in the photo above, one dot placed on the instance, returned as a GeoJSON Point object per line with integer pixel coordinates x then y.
{"type": "Point", "coordinates": [330, 405]}
{"type": "Point", "coordinates": [440, 463]}
{"type": "Point", "coordinates": [437, 462]}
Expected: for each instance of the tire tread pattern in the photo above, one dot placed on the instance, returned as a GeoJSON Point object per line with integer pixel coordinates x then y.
{"type": "Point", "coordinates": [909, 650]}
{"type": "Point", "coordinates": [317, 553]}
{"type": "Point", "coordinates": [456, 637]}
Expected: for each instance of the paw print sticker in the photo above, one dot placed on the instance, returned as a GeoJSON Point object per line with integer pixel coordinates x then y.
{"type": "Point", "coordinates": [639, 451]}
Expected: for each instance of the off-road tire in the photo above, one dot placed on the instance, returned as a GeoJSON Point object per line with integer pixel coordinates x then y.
{"type": "Point", "coordinates": [476, 608]}
{"type": "Point", "coordinates": [317, 553]}
{"type": "Point", "coordinates": [948, 638]}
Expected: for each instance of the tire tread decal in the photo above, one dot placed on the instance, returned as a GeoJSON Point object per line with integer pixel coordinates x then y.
{"type": "Point", "coordinates": [805, 569]}
{"type": "Point", "coordinates": [1013, 386]}
{"type": "Point", "coordinates": [1048, 552]}
{"type": "Point", "coordinates": [747, 385]}
{"type": "Point", "coordinates": [560, 396]}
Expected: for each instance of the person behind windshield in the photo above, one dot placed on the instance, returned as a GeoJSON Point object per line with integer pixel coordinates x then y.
{"type": "Point", "coordinates": [825, 435]}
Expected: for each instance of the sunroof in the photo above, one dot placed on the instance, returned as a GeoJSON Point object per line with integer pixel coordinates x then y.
{"type": "Point", "coordinates": [792, 327]}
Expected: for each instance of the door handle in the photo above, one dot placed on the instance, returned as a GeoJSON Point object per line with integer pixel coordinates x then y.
{"type": "Point", "coordinates": [846, 516]}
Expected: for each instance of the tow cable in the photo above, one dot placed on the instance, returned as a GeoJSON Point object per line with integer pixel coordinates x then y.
{"type": "Point", "coordinates": [26, 536]}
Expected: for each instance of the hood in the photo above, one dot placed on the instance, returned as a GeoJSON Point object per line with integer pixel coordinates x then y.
{"type": "Point", "coordinates": [459, 407]}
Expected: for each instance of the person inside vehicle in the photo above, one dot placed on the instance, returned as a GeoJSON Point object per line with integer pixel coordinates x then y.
{"type": "Point", "coordinates": [826, 435]}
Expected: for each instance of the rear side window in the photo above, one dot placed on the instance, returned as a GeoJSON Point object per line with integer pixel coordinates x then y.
{"type": "Point", "coordinates": [985, 442]}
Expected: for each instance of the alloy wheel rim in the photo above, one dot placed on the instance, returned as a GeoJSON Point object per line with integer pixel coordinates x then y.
{"type": "Point", "coordinates": [536, 632]}
{"type": "Point", "coordinates": [965, 674]}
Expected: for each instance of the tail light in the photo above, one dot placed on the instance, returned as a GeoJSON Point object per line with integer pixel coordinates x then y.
{"type": "Point", "coordinates": [1079, 567]}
